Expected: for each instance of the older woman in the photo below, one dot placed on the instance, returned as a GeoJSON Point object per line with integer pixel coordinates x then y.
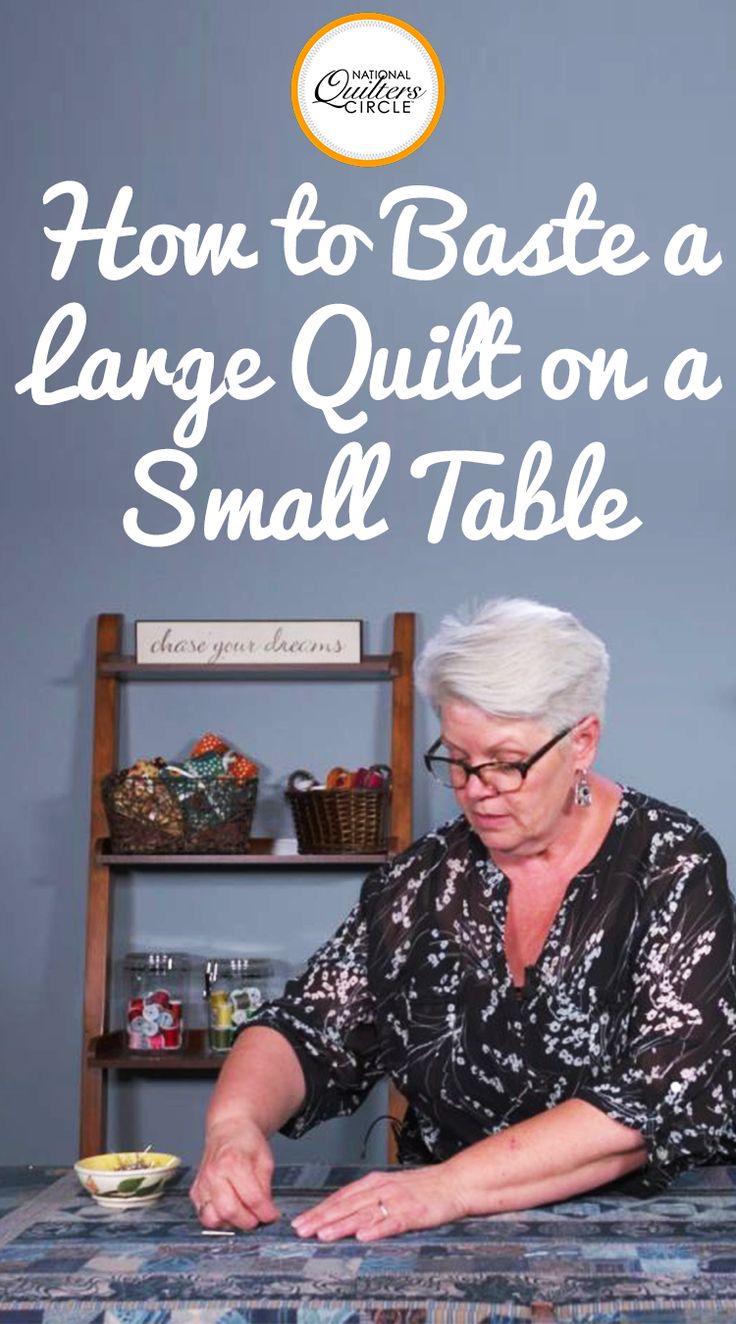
{"type": "Point", "coordinates": [548, 978]}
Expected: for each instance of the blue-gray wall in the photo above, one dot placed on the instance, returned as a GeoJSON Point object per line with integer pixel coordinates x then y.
{"type": "Point", "coordinates": [187, 101]}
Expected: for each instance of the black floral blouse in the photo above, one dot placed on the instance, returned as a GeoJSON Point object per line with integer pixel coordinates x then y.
{"type": "Point", "coordinates": [631, 1005]}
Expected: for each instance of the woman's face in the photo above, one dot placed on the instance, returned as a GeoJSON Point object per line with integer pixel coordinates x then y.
{"type": "Point", "coordinates": [526, 820]}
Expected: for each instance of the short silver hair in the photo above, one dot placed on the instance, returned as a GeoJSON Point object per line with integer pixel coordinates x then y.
{"type": "Point", "coordinates": [515, 658]}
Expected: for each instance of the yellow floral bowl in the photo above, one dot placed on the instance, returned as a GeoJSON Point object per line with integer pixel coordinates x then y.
{"type": "Point", "coordinates": [126, 1180]}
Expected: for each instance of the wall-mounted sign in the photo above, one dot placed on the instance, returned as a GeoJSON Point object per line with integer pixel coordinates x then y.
{"type": "Point", "coordinates": [269, 643]}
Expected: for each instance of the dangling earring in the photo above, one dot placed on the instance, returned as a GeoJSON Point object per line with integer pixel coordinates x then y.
{"type": "Point", "coordinates": [583, 794]}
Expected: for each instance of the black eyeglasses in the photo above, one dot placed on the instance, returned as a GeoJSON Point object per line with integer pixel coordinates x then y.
{"type": "Point", "coordinates": [503, 777]}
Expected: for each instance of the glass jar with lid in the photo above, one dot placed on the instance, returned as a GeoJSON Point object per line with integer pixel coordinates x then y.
{"type": "Point", "coordinates": [235, 987]}
{"type": "Point", "coordinates": [155, 1012]}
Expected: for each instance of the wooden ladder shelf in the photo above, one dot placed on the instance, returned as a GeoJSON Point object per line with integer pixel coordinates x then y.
{"type": "Point", "coordinates": [103, 1050]}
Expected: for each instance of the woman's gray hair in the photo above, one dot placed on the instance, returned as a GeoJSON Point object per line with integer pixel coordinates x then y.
{"type": "Point", "coordinates": [516, 658]}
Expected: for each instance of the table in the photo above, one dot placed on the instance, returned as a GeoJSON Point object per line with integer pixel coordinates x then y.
{"type": "Point", "coordinates": [64, 1260]}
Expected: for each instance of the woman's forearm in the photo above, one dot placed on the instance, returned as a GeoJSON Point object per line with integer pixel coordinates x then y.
{"type": "Point", "coordinates": [261, 1082]}
{"type": "Point", "coordinates": [572, 1148]}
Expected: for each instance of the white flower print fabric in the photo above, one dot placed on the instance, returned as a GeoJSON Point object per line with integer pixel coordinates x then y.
{"type": "Point", "coordinates": [631, 1005]}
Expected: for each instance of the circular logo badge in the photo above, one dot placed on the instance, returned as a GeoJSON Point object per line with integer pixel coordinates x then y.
{"type": "Point", "coordinates": [367, 89]}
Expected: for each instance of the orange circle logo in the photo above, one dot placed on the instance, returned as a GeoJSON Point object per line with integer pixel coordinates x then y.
{"type": "Point", "coordinates": [367, 89]}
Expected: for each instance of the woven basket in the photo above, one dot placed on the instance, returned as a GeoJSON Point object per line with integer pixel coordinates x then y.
{"type": "Point", "coordinates": [341, 822]}
{"type": "Point", "coordinates": [207, 816]}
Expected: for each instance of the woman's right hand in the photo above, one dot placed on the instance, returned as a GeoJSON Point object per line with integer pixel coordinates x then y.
{"type": "Point", "coordinates": [233, 1185]}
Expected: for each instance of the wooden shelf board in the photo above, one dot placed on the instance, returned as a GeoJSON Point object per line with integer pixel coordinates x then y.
{"type": "Point", "coordinates": [376, 666]}
{"type": "Point", "coordinates": [111, 1052]}
{"type": "Point", "coordinates": [260, 857]}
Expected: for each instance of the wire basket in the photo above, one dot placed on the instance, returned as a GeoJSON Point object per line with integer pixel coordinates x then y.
{"type": "Point", "coordinates": [179, 816]}
{"type": "Point", "coordinates": [340, 822]}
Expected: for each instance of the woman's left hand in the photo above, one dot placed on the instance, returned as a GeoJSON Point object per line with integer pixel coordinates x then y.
{"type": "Point", "coordinates": [383, 1204]}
